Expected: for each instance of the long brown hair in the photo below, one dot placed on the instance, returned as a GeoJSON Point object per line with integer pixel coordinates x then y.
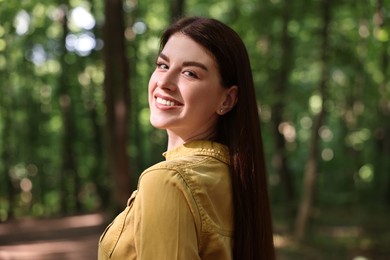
{"type": "Point", "coordinates": [240, 131]}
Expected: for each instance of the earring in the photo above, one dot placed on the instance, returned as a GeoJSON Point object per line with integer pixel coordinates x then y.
{"type": "Point", "coordinates": [221, 110]}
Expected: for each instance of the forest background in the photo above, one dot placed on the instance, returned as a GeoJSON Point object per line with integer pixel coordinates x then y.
{"type": "Point", "coordinates": [74, 119]}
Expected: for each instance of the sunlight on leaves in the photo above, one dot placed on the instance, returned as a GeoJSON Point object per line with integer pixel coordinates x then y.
{"type": "Point", "coordinates": [39, 10]}
{"type": "Point", "coordinates": [37, 55]}
{"type": "Point", "coordinates": [82, 44]}
{"type": "Point", "coordinates": [84, 79]}
{"type": "Point", "coordinates": [18, 171]}
{"type": "Point", "coordinates": [327, 154]}
{"type": "Point", "coordinates": [315, 103]}
{"type": "Point", "coordinates": [22, 22]}
{"type": "Point", "coordinates": [364, 31]}
{"type": "Point", "coordinates": [376, 74]}
{"type": "Point", "coordinates": [154, 22]}
{"type": "Point", "coordinates": [139, 27]}
{"type": "Point", "coordinates": [54, 31]}
{"type": "Point", "coordinates": [382, 35]}
{"type": "Point", "coordinates": [52, 67]}
{"type": "Point", "coordinates": [38, 16]}
{"type": "Point", "coordinates": [82, 3]}
{"type": "Point", "coordinates": [81, 18]}
{"type": "Point", "coordinates": [339, 77]}
{"type": "Point", "coordinates": [366, 173]}
{"type": "Point", "coordinates": [306, 122]}
{"type": "Point", "coordinates": [3, 45]}
{"type": "Point", "coordinates": [325, 133]}
{"type": "Point", "coordinates": [26, 185]}
{"type": "Point", "coordinates": [287, 129]}
{"type": "Point", "coordinates": [356, 139]}
{"type": "Point", "coordinates": [96, 74]}
{"type": "Point", "coordinates": [56, 123]}
{"type": "Point", "coordinates": [151, 46]}
{"type": "Point", "coordinates": [129, 5]}
{"type": "Point", "coordinates": [265, 113]}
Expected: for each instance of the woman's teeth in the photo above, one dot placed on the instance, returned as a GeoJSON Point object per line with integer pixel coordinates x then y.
{"type": "Point", "coordinates": [165, 102]}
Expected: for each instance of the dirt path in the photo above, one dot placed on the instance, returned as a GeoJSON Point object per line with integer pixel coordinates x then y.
{"type": "Point", "coordinates": [69, 238]}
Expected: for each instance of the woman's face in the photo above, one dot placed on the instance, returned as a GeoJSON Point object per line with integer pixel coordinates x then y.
{"type": "Point", "coordinates": [185, 93]}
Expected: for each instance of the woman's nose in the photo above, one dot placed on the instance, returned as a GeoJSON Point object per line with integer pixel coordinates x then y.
{"type": "Point", "coordinates": [167, 82]}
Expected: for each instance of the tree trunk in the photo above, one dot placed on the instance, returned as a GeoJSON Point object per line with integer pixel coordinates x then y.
{"type": "Point", "coordinates": [99, 166]}
{"type": "Point", "coordinates": [381, 178]}
{"type": "Point", "coordinates": [69, 183]}
{"type": "Point", "coordinates": [116, 99]}
{"type": "Point", "coordinates": [176, 9]}
{"type": "Point", "coordinates": [281, 162]}
{"type": "Point", "coordinates": [311, 166]}
{"type": "Point", "coordinates": [6, 160]}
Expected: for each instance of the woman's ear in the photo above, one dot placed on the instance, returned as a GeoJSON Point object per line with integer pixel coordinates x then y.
{"type": "Point", "coordinates": [229, 100]}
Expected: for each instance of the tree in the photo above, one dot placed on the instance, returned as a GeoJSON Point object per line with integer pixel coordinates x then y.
{"type": "Point", "coordinates": [311, 166]}
{"type": "Point", "coordinates": [176, 9]}
{"type": "Point", "coordinates": [116, 89]}
{"type": "Point", "coordinates": [69, 179]}
{"type": "Point", "coordinates": [383, 129]}
{"type": "Point", "coordinates": [280, 90]}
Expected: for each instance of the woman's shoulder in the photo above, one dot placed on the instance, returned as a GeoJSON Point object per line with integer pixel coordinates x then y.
{"type": "Point", "coordinates": [172, 171]}
{"type": "Point", "coordinates": [193, 168]}
{"type": "Point", "coordinates": [204, 181]}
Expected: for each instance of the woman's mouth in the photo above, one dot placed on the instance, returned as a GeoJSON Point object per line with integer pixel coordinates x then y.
{"type": "Point", "coordinates": [165, 102]}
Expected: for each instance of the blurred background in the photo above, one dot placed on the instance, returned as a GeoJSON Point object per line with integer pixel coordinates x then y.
{"type": "Point", "coordinates": [74, 119]}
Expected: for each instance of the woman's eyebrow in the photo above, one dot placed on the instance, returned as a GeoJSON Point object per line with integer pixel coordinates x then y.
{"type": "Point", "coordinates": [163, 56]}
{"type": "Point", "coordinates": [186, 63]}
{"type": "Point", "coordinates": [196, 64]}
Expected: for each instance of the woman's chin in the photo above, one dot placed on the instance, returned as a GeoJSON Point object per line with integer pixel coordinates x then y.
{"type": "Point", "coordinates": [157, 124]}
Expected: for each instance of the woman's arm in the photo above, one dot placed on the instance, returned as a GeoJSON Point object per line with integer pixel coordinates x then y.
{"type": "Point", "coordinates": [163, 223]}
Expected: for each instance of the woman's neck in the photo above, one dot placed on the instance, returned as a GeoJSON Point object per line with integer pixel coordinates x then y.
{"type": "Point", "coordinates": [175, 140]}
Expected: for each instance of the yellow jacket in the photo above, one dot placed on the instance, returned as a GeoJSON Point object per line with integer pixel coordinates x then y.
{"type": "Point", "coordinates": [181, 210]}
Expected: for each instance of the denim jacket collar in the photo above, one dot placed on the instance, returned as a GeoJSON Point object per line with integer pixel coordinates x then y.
{"type": "Point", "coordinates": [209, 148]}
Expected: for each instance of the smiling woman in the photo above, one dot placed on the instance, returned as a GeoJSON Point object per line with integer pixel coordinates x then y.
{"type": "Point", "coordinates": [208, 199]}
{"type": "Point", "coordinates": [185, 72]}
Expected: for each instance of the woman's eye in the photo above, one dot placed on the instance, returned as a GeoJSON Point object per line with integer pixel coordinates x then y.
{"type": "Point", "coordinates": [190, 74]}
{"type": "Point", "coordinates": [162, 66]}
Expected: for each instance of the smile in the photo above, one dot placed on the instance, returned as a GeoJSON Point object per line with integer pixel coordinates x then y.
{"type": "Point", "coordinates": [165, 102]}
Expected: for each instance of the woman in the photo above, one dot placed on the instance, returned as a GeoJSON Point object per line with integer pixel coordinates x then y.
{"type": "Point", "coordinates": [208, 200]}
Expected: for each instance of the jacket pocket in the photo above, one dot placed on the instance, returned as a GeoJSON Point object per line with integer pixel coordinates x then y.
{"type": "Point", "coordinates": [110, 237]}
